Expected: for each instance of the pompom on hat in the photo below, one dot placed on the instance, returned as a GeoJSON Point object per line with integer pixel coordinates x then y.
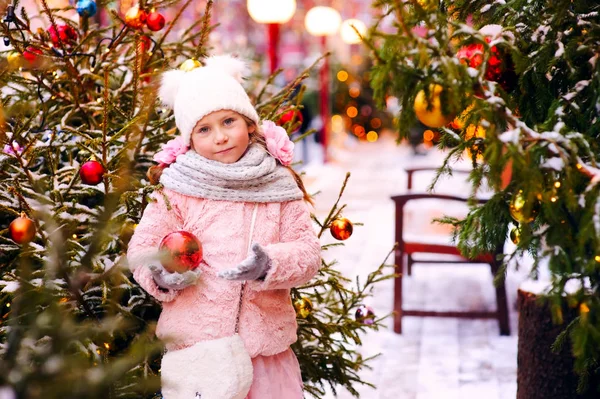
{"type": "Point", "coordinates": [216, 86]}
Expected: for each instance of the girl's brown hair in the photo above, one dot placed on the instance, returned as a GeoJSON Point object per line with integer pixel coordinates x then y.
{"type": "Point", "coordinates": [256, 137]}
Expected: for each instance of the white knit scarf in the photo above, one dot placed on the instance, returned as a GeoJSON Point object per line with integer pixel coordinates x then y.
{"type": "Point", "coordinates": [255, 177]}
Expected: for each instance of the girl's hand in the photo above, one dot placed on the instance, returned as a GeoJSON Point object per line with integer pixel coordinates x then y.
{"type": "Point", "coordinates": [254, 267]}
{"type": "Point", "coordinates": [173, 281]}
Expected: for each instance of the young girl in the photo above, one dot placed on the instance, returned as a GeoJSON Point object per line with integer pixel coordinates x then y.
{"type": "Point", "coordinates": [227, 180]}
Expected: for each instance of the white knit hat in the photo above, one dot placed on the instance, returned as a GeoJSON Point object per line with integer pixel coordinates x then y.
{"type": "Point", "coordinates": [216, 86]}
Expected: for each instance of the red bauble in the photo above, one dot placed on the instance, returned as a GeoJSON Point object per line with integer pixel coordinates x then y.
{"type": "Point", "coordinates": [31, 54]}
{"type": "Point", "coordinates": [341, 229]}
{"type": "Point", "coordinates": [135, 18]}
{"type": "Point", "coordinates": [22, 229]}
{"type": "Point", "coordinates": [155, 21]}
{"type": "Point", "coordinates": [292, 114]}
{"type": "Point", "coordinates": [180, 251]}
{"type": "Point", "coordinates": [499, 67]}
{"type": "Point", "coordinates": [66, 33]}
{"type": "Point", "coordinates": [92, 172]}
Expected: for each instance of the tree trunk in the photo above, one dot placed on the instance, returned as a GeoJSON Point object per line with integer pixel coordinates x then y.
{"type": "Point", "coordinates": [543, 374]}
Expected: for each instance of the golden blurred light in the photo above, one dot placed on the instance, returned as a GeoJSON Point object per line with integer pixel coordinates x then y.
{"type": "Point", "coordinates": [583, 308]}
{"type": "Point", "coordinates": [352, 112]}
{"type": "Point", "coordinates": [322, 21]}
{"type": "Point", "coordinates": [348, 33]}
{"type": "Point", "coordinates": [106, 345]}
{"type": "Point", "coordinates": [372, 136]}
{"type": "Point", "coordinates": [337, 124]}
{"type": "Point", "coordinates": [74, 236]}
{"type": "Point", "coordinates": [354, 92]}
{"type": "Point", "coordinates": [597, 258]}
{"type": "Point", "coordinates": [557, 184]}
{"type": "Point", "coordinates": [554, 199]}
{"type": "Point", "coordinates": [8, 305]}
{"type": "Point", "coordinates": [428, 135]}
{"type": "Point", "coordinates": [342, 76]}
{"type": "Point", "coordinates": [271, 11]}
{"type": "Point", "coordinates": [375, 123]}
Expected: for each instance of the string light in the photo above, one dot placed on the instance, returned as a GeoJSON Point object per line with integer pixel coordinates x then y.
{"type": "Point", "coordinates": [352, 112]}
{"type": "Point", "coordinates": [557, 184]}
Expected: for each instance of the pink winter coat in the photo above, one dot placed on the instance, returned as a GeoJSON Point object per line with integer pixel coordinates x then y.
{"type": "Point", "coordinates": [207, 310]}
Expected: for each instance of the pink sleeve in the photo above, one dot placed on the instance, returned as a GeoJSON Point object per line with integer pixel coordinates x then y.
{"type": "Point", "coordinates": [297, 257]}
{"type": "Point", "coordinates": [158, 220]}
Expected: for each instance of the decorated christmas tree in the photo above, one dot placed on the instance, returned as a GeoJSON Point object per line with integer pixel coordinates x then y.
{"type": "Point", "coordinates": [79, 124]}
{"type": "Point", "coordinates": [517, 84]}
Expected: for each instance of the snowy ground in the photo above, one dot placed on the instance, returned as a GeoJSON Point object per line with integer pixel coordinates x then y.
{"type": "Point", "coordinates": [434, 358]}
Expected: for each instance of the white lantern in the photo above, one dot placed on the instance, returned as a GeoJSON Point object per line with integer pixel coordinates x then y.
{"type": "Point", "coordinates": [349, 34]}
{"type": "Point", "coordinates": [271, 11]}
{"type": "Point", "coordinates": [322, 21]}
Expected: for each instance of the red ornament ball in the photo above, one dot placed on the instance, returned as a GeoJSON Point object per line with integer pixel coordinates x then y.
{"type": "Point", "coordinates": [288, 116]}
{"type": "Point", "coordinates": [22, 229]}
{"type": "Point", "coordinates": [180, 251]}
{"type": "Point", "coordinates": [92, 172]}
{"type": "Point", "coordinates": [365, 315]}
{"type": "Point", "coordinates": [31, 54]}
{"type": "Point", "coordinates": [155, 21]}
{"type": "Point", "coordinates": [64, 32]}
{"type": "Point", "coordinates": [341, 229]}
{"type": "Point", "coordinates": [135, 18]}
{"type": "Point", "coordinates": [499, 67]}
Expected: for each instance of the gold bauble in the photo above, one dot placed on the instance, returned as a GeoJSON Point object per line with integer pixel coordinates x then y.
{"type": "Point", "coordinates": [341, 229]}
{"type": "Point", "coordinates": [515, 235]}
{"type": "Point", "coordinates": [303, 307]}
{"type": "Point", "coordinates": [428, 5]}
{"type": "Point", "coordinates": [459, 122]}
{"type": "Point", "coordinates": [15, 60]}
{"type": "Point", "coordinates": [135, 18]}
{"type": "Point", "coordinates": [474, 131]}
{"type": "Point", "coordinates": [517, 208]}
{"type": "Point", "coordinates": [431, 117]}
{"type": "Point", "coordinates": [189, 65]}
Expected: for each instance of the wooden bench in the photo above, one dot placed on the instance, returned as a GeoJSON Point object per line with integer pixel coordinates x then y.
{"type": "Point", "coordinates": [409, 248]}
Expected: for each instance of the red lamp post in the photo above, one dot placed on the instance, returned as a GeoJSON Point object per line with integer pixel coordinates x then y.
{"type": "Point", "coordinates": [322, 22]}
{"type": "Point", "coordinates": [272, 13]}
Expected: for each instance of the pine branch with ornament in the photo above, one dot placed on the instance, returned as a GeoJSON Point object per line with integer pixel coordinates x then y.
{"type": "Point", "coordinates": [332, 315]}
{"type": "Point", "coordinates": [79, 125]}
{"type": "Point", "coordinates": [514, 87]}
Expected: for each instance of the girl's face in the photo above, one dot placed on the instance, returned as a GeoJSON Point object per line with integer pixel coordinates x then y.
{"type": "Point", "coordinates": [222, 136]}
